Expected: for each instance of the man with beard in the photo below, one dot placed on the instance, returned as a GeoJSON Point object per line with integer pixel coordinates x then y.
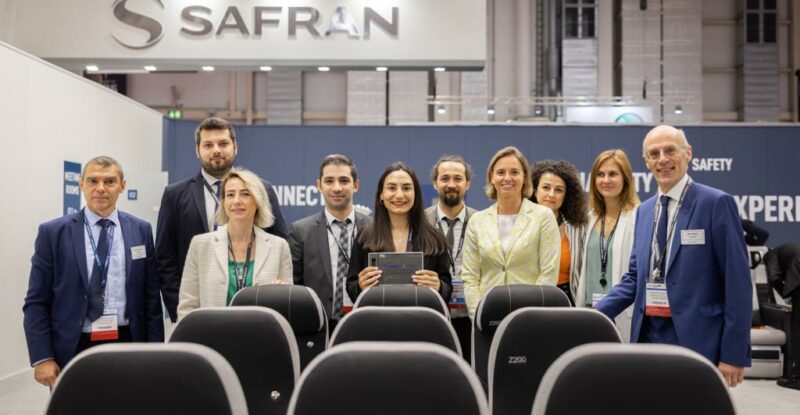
{"type": "Point", "coordinates": [321, 243]}
{"type": "Point", "coordinates": [451, 177]}
{"type": "Point", "coordinates": [188, 206]}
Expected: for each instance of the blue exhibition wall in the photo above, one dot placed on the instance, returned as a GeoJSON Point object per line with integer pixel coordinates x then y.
{"type": "Point", "coordinates": [756, 164]}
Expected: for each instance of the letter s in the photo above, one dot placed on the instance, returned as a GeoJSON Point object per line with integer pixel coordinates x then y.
{"type": "Point", "coordinates": [152, 26]}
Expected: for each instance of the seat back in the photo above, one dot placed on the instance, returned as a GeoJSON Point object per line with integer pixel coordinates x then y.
{"type": "Point", "coordinates": [396, 324]}
{"type": "Point", "coordinates": [388, 378]}
{"type": "Point", "coordinates": [528, 341]}
{"type": "Point", "coordinates": [627, 379]}
{"type": "Point", "coordinates": [130, 379]}
{"type": "Point", "coordinates": [400, 295]}
{"type": "Point", "coordinates": [300, 306]}
{"type": "Point", "coordinates": [498, 303]}
{"type": "Point", "coordinates": [259, 345]}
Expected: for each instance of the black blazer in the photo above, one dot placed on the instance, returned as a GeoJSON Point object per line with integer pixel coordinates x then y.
{"type": "Point", "coordinates": [311, 257]}
{"type": "Point", "coordinates": [437, 263]}
{"type": "Point", "coordinates": [182, 216]}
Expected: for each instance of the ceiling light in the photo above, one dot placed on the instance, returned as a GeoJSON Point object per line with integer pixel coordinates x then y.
{"type": "Point", "coordinates": [208, 68]}
{"type": "Point", "coordinates": [490, 110]}
{"type": "Point", "coordinates": [441, 109]}
{"type": "Point", "coordinates": [678, 110]}
{"type": "Point", "coordinates": [324, 69]}
{"type": "Point", "coordinates": [92, 68]}
{"type": "Point", "coordinates": [266, 68]}
{"type": "Point", "coordinates": [439, 69]}
{"type": "Point", "coordinates": [150, 68]}
{"type": "Point", "coordinates": [381, 69]}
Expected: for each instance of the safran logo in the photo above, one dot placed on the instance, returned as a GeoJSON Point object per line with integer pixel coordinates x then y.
{"type": "Point", "coordinates": [139, 21]}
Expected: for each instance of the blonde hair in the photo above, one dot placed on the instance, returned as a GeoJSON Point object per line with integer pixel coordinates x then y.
{"type": "Point", "coordinates": [628, 195]}
{"type": "Point", "coordinates": [253, 184]}
{"type": "Point", "coordinates": [527, 184]}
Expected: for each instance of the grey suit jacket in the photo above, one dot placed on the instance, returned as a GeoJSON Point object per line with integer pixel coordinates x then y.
{"type": "Point", "coordinates": [311, 257]}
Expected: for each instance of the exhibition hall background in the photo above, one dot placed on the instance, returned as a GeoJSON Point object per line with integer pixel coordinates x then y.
{"type": "Point", "coordinates": [756, 164]}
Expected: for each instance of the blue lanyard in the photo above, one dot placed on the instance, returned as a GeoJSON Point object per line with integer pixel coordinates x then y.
{"type": "Point", "coordinates": [103, 267]}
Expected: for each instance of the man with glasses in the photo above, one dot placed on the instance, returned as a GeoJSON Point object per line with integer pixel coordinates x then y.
{"type": "Point", "coordinates": [689, 277]}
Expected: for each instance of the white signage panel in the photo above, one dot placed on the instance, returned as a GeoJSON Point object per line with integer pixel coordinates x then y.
{"type": "Point", "coordinates": [303, 32]}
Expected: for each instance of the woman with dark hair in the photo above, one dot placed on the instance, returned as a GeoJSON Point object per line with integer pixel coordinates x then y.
{"type": "Point", "coordinates": [609, 234]}
{"type": "Point", "coordinates": [557, 186]}
{"type": "Point", "coordinates": [513, 241]}
{"type": "Point", "coordinates": [399, 225]}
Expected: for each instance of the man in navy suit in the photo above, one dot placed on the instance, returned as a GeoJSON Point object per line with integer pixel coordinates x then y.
{"type": "Point", "coordinates": [688, 278]}
{"type": "Point", "coordinates": [188, 206]}
{"type": "Point", "coordinates": [94, 278]}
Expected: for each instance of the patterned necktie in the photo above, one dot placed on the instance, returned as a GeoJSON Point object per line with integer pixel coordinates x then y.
{"type": "Point", "coordinates": [99, 274]}
{"type": "Point", "coordinates": [342, 266]}
{"type": "Point", "coordinates": [216, 185]}
{"type": "Point", "coordinates": [661, 234]}
{"type": "Point", "coordinates": [451, 224]}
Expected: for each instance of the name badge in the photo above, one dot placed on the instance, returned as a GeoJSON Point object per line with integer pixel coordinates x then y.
{"type": "Point", "coordinates": [138, 252]}
{"type": "Point", "coordinates": [657, 302]}
{"type": "Point", "coordinates": [596, 297]}
{"type": "Point", "coordinates": [693, 237]}
{"type": "Point", "coordinates": [105, 327]}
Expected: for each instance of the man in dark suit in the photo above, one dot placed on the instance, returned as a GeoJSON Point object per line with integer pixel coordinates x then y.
{"type": "Point", "coordinates": [93, 278]}
{"type": "Point", "coordinates": [188, 206]}
{"type": "Point", "coordinates": [321, 243]}
{"type": "Point", "coordinates": [689, 278]}
{"type": "Point", "coordinates": [451, 176]}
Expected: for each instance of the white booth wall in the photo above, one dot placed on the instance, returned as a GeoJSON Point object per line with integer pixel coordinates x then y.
{"type": "Point", "coordinates": [51, 115]}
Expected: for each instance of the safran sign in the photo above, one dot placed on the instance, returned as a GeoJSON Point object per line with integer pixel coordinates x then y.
{"type": "Point", "coordinates": [347, 32]}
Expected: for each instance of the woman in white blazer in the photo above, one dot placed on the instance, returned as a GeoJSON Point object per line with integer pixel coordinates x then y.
{"type": "Point", "coordinates": [609, 233]}
{"type": "Point", "coordinates": [239, 253]}
{"type": "Point", "coordinates": [514, 241]}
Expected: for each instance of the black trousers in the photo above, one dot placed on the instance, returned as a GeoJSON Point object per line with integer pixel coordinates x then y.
{"type": "Point", "coordinates": [463, 328]}
{"type": "Point", "coordinates": [86, 342]}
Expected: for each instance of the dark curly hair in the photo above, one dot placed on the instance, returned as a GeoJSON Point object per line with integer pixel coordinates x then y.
{"type": "Point", "coordinates": [573, 210]}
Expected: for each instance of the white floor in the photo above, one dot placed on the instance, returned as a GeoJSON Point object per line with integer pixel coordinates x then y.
{"type": "Point", "coordinates": [20, 395]}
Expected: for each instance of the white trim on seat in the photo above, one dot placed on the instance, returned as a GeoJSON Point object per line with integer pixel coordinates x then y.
{"type": "Point", "coordinates": [282, 322]}
{"type": "Point", "coordinates": [442, 304]}
{"type": "Point", "coordinates": [228, 378]}
{"type": "Point", "coordinates": [401, 309]}
{"type": "Point", "coordinates": [551, 375]}
{"type": "Point", "coordinates": [392, 348]}
{"type": "Point", "coordinates": [498, 335]}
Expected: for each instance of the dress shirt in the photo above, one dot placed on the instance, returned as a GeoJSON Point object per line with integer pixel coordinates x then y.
{"type": "Point", "coordinates": [458, 231]}
{"type": "Point", "coordinates": [672, 210]}
{"type": "Point", "coordinates": [115, 282]}
{"type": "Point", "coordinates": [333, 247]}
{"type": "Point", "coordinates": [210, 198]}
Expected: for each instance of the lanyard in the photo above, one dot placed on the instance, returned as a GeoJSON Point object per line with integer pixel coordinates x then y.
{"type": "Point", "coordinates": [104, 264]}
{"type": "Point", "coordinates": [345, 253]}
{"type": "Point", "coordinates": [211, 190]}
{"type": "Point", "coordinates": [604, 247]}
{"type": "Point", "coordinates": [450, 255]}
{"type": "Point", "coordinates": [659, 256]}
{"type": "Point", "coordinates": [241, 271]}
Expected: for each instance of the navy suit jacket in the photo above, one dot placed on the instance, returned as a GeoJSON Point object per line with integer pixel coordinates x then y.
{"type": "Point", "coordinates": [58, 289]}
{"type": "Point", "coordinates": [311, 256]}
{"type": "Point", "coordinates": [708, 286]}
{"type": "Point", "coordinates": [182, 216]}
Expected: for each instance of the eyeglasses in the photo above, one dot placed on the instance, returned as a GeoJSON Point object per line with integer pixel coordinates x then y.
{"type": "Point", "coordinates": [655, 153]}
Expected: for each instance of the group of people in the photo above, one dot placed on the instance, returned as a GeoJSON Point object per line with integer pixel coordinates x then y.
{"type": "Point", "coordinates": [672, 269]}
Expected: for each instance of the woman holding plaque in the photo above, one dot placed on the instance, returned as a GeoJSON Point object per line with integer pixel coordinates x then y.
{"type": "Point", "coordinates": [515, 241]}
{"type": "Point", "coordinates": [239, 253]}
{"type": "Point", "coordinates": [609, 233]}
{"type": "Point", "coordinates": [399, 225]}
{"type": "Point", "coordinates": [557, 185]}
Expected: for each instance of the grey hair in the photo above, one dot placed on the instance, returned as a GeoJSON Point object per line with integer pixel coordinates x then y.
{"type": "Point", "coordinates": [253, 183]}
{"type": "Point", "coordinates": [103, 161]}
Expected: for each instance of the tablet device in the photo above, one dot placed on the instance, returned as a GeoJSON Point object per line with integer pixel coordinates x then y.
{"type": "Point", "coordinates": [396, 267]}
